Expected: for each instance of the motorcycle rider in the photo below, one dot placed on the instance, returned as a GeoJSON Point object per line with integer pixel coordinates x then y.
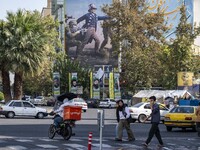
{"type": "Point", "coordinates": [58, 119]}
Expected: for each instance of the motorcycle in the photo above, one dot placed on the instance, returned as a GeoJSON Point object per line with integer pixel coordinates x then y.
{"type": "Point", "coordinates": [65, 129]}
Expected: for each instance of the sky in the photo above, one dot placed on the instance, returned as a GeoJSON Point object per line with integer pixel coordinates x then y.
{"type": "Point", "coordinates": [14, 5]}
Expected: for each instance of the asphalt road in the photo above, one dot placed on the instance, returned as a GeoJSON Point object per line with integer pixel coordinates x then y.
{"type": "Point", "coordinates": [29, 133]}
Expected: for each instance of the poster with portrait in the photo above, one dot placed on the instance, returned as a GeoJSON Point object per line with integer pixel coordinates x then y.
{"type": "Point", "coordinates": [111, 85]}
{"type": "Point", "coordinates": [185, 80]}
{"type": "Point", "coordinates": [73, 82]}
{"type": "Point", "coordinates": [96, 87]}
{"type": "Point", "coordinates": [56, 83]}
{"type": "Point", "coordinates": [92, 43]}
{"type": "Point", "coordinates": [117, 86]}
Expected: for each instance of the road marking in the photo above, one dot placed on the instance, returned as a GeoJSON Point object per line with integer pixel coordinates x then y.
{"type": "Point", "coordinates": [14, 148]}
{"type": "Point", "coordinates": [47, 146]}
{"type": "Point", "coordinates": [75, 145]}
{"type": "Point", "coordinates": [103, 145]}
{"type": "Point", "coordinates": [24, 140]}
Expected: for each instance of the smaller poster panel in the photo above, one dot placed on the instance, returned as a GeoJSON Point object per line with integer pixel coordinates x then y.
{"type": "Point", "coordinates": [111, 86]}
{"type": "Point", "coordinates": [185, 78]}
{"type": "Point", "coordinates": [73, 83]}
{"type": "Point", "coordinates": [56, 83]}
{"type": "Point", "coordinates": [117, 86]}
{"type": "Point", "coordinates": [96, 87]}
{"type": "Point", "coordinates": [91, 85]}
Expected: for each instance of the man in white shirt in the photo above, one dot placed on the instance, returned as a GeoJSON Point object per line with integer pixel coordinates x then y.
{"type": "Point", "coordinates": [59, 112]}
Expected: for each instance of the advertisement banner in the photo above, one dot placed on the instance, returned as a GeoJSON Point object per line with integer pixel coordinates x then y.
{"type": "Point", "coordinates": [91, 43]}
{"type": "Point", "coordinates": [111, 86]}
{"type": "Point", "coordinates": [117, 86]}
{"type": "Point", "coordinates": [91, 85]}
{"type": "Point", "coordinates": [185, 78]}
{"type": "Point", "coordinates": [96, 87]}
{"type": "Point", "coordinates": [56, 83]}
{"type": "Point", "coordinates": [73, 82]}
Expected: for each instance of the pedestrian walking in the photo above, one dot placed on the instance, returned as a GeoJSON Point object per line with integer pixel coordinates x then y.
{"type": "Point", "coordinates": [155, 120]}
{"type": "Point", "coordinates": [122, 115]}
{"type": "Point", "coordinates": [198, 119]}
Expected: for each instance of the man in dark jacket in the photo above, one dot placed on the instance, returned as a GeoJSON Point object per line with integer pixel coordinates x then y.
{"type": "Point", "coordinates": [155, 120]}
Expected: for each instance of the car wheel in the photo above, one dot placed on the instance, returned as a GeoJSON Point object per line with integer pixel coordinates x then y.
{"type": "Point", "coordinates": [84, 110]}
{"type": "Point", "coordinates": [10, 114]}
{"type": "Point", "coordinates": [40, 115]}
{"type": "Point", "coordinates": [169, 128]}
{"type": "Point", "coordinates": [142, 118]}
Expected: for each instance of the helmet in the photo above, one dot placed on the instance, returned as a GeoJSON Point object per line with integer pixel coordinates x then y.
{"type": "Point", "coordinates": [92, 6]}
{"type": "Point", "coordinates": [72, 22]}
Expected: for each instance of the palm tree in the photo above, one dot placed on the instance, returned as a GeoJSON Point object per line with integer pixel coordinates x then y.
{"type": "Point", "coordinates": [31, 38]}
{"type": "Point", "coordinates": [4, 72]}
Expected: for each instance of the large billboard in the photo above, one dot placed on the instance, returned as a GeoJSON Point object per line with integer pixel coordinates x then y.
{"type": "Point", "coordinates": [87, 40]}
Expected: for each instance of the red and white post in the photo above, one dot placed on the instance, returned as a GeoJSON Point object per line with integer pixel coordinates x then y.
{"type": "Point", "coordinates": [90, 141]}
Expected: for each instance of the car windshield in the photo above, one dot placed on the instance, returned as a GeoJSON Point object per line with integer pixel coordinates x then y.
{"type": "Point", "coordinates": [39, 97]}
{"type": "Point", "coordinates": [78, 100]}
{"type": "Point", "coordinates": [138, 105]}
{"type": "Point", "coordinates": [105, 100]}
{"type": "Point", "coordinates": [182, 110]}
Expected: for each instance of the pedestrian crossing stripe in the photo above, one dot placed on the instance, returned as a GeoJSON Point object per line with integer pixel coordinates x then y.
{"type": "Point", "coordinates": [75, 145]}
{"type": "Point", "coordinates": [103, 145]}
{"type": "Point", "coordinates": [47, 146]}
{"type": "Point", "coordinates": [14, 147]}
{"type": "Point", "coordinates": [21, 140]}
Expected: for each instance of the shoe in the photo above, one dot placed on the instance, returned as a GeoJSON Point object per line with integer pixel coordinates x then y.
{"type": "Point", "coordinates": [117, 139]}
{"type": "Point", "coordinates": [145, 144]}
{"type": "Point", "coordinates": [160, 145]}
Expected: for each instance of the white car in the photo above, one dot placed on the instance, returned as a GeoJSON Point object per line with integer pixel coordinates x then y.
{"type": "Point", "coordinates": [79, 102]}
{"type": "Point", "coordinates": [107, 103]}
{"type": "Point", "coordinates": [22, 108]}
{"type": "Point", "coordinates": [39, 100]}
{"type": "Point", "coordinates": [141, 111]}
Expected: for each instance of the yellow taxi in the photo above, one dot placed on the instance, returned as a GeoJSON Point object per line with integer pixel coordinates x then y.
{"type": "Point", "coordinates": [181, 117]}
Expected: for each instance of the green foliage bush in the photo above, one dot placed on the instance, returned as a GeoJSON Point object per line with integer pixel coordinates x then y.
{"type": "Point", "coordinates": [1, 96]}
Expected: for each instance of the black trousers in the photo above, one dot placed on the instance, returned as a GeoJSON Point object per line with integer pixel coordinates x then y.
{"type": "Point", "coordinates": [154, 130]}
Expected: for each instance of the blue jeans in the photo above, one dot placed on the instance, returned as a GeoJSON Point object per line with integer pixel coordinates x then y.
{"type": "Point", "coordinates": [57, 120]}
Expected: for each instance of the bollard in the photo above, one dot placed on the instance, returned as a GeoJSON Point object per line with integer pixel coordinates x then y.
{"type": "Point", "coordinates": [90, 141]}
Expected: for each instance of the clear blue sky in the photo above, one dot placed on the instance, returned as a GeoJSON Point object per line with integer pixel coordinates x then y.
{"type": "Point", "coordinates": [14, 5]}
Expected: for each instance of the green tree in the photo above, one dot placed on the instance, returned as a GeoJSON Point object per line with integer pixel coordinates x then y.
{"type": "Point", "coordinates": [178, 56]}
{"type": "Point", "coordinates": [1, 96]}
{"type": "Point", "coordinates": [30, 40]}
{"type": "Point", "coordinates": [143, 33]}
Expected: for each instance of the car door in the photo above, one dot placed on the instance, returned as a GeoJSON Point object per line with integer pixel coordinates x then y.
{"type": "Point", "coordinates": [17, 108]}
{"type": "Point", "coordinates": [29, 109]}
{"type": "Point", "coordinates": [163, 111]}
{"type": "Point", "coordinates": [147, 109]}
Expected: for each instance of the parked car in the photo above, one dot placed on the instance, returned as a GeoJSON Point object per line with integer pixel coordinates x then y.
{"type": "Point", "coordinates": [39, 100]}
{"type": "Point", "coordinates": [93, 103]}
{"type": "Point", "coordinates": [181, 117]}
{"type": "Point", "coordinates": [80, 102]}
{"type": "Point", "coordinates": [107, 103]}
{"type": "Point", "coordinates": [27, 97]}
{"type": "Point", "coordinates": [142, 110]}
{"type": "Point", "coordinates": [51, 102]}
{"type": "Point", "coordinates": [22, 108]}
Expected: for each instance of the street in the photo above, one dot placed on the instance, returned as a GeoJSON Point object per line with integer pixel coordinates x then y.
{"type": "Point", "coordinates": [29, 133]}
